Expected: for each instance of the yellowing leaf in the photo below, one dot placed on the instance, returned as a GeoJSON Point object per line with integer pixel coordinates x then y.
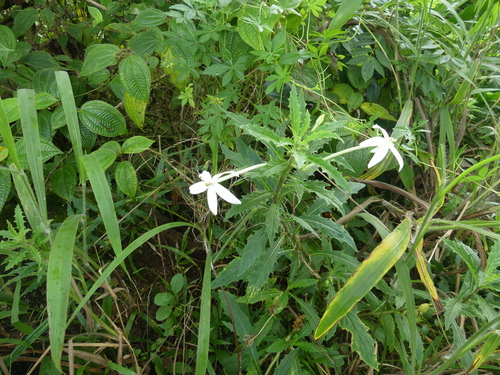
{"type": "Point", "coordinates": [368, 274]}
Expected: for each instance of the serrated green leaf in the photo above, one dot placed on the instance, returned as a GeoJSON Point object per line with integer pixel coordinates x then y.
{"type": "Point", "coordinates": [468, 255]}
{"type": "Point", "coordinates": [99, 56]}
{"type": "Point", "coordinates": [135, 108]}
{"type": "Point", "coordinates": [135, 145]}
{"type": "Point", "coordinates": [126, 178]}
{"type": "Point", "coordinates": [263, 267]}
{"type": "Point", "coordinates": [102, 118]}
{"type": "Point", "coordinates": [249, 202]}
{"type": "Point", "coordinates": [362, 342]}
{"type": "Point", "coordinates": [319, 224]}
{"type": "Point", "coordinates": [135, 77]}
{"type": "Point", "coordinates": [253, 249]}
{"type": "Point", "coordinates": [265, 135]}
{"type": "Point", "coordinates": [63, 182]}
{"type": "Point", "coordinates": [319, 188]}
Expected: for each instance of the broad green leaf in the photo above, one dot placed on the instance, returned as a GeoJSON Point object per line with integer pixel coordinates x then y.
{"type": "Point", "coordinates": [99, 56]}
{"type": "Point", "coordinates": [7, 40]}
{"type": "Point", "coordinates": [23, 20]}
{"type": "Point", "coordinates": [368, 274]}
{"type": "Point", "coordinates": [11, 108]}
{"type": "Point", "coordinates": [135, 108]}
{"type": "Point", "coordinates": [102, 118]}
{"type": "Point", "coordinates": [362, 342]}
{"type": "Point", "coordinates": [44, 100]}
{"type": "Point", "coordinates": [135, 77]}
{"type": "Point", "coordinates": [41, 60]}
{"type": "Point", "coordinates": [59, 283]}
{"type": "Point", "coordinates": [343, 91]}
{"type": "Point", "coordinates": [102, 194]}
{"type": "Point", "coordinates": [136, 144]}
{"type": "Point", "coordinates": [63, 182]}
{"type": "Point", "coordinates": [126, 178]}
{"type": "Point", "coordinates": [146, 42]}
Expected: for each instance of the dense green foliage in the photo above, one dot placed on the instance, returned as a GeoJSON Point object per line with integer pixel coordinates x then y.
{"type": "Point", "coordinates": [111, 110]}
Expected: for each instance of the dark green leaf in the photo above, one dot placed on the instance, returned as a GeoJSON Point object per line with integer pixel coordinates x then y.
{"type": "Point", "coordinates": [102, 118]}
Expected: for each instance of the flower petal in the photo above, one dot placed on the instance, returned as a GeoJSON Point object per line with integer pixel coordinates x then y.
{"type": "Point", "coordinates": [212, 199]}
{"type": "Point", "coordinates": [372, 142]}
{"type": "Point", "coordinates": [205, 176]}
{"type": "Point", "coordinates": [198, 188]}
{"type": "Point", "coordinates": [379, 155]}
{"type": "Point", "coordinates": [386, 136]}
{"type": "Point", "coordinates": [397, 155]}
{"type": "Point", "coordinates": [226, 194]}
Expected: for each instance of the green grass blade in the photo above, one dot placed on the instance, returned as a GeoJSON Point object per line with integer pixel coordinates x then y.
{"type": "Point", "coordinates": [204, 326]}
{"type": "Point", "coordinates": [368, 274]}
{"type": "Point", "coordinates": [31, 134]}
{"type": "Point", "coordinates": [27, 199]}
{"type": "Point", "coordinates": [121, 258]}
{"type": "Point", "coordinates": [102, 193]}
{"type": "Point", "coordinates": [7, 137]}
{"type": "Point", "coordinates": [344, 13]}
{"type": "Point", "coordinates": [69, 107]}
{"type": "Point", "coordinates": [58, 284]}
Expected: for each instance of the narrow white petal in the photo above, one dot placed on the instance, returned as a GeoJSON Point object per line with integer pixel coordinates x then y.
{"type": "Point", "coordinates": [386, 136]}
{"type": "Point", "coordinates": [397, 155]}
{"type": "Point", "coordinates": [379, 155]}
{"type": "Point", "coordinates": [198, 188]}
{"type": "Point", "coordinates": [226, 194]}
{"type": "Point", "coordinates": [372, 142]}
{"type": "Point", "coordinates": [212, 199]}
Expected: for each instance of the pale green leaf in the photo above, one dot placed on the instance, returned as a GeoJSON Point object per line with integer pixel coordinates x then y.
{"type": "Point", "coordinates": [126, 178]}
{"type": "Point", "coordinates": [136, 144]}
{"type": "Point", "coordinates": [99, 56]}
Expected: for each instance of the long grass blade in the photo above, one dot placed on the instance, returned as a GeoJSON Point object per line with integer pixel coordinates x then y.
{"type": "Point", "coordinates": [58, 284]}
{"type": "Point", "coordinates": [204, 326]}
{"type": "Point", "coordinates": [69, 107]}
{"type": "Point", "coordinates": [102, 193]}
{"type": "Point", "coordinates": [31, 134]}
{"type": "Point", "coordinates": [7, 137]}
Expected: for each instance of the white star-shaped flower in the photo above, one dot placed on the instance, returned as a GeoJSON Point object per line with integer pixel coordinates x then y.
{"type": "Point", "coordinates": [213, 188]}
{"type": "Point", "coordinates": [382, 147]}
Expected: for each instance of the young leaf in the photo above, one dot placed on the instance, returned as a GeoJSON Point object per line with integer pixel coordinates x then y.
{"type": "Point", "coordinates": [99, 56]}
{"type": "Point", "coordinates": [135, 145]}
{"type": "Point", "coordinates": [126, 178]}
